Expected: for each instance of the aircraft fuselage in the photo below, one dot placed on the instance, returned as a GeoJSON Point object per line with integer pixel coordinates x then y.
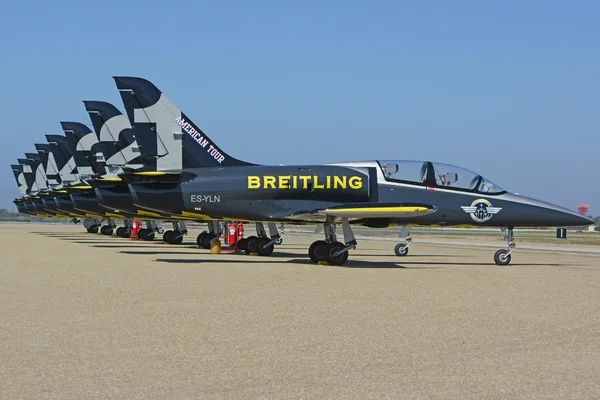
{"type": "Point", "coordinates": [296, 193]}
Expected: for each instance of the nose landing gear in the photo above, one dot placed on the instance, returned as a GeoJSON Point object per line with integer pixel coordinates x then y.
{"type": "Point", "coordinates": [401, 249]}
{"type": "Point", "coordinates": [502, 257]}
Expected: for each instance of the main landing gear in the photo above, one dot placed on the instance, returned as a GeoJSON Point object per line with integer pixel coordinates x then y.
{"type": "Point", "coordinates": [149, 232]}
{"type": "Point", "coordinates": [262, 244]}
{"type": "Point", "coordinates": [330, 250]}
{"type": "Point", "coordinates": [176, 235]}
{"type": "Point", "coordinates": [108, 229]}
{"type": "Point", "coordinates": [401, 249]}
{"type": "Point", "coordinates": [214, 232]}
{"type": "Point", "coordinates": [502, 257]}
{"type": "Point", "coordinates": [92, 225]}
{"type": "Point", "coordinates": [123, 232]}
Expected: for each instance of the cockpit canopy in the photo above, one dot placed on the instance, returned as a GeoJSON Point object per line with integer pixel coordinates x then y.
{"type": "Point", "coordinates": [437, 175]}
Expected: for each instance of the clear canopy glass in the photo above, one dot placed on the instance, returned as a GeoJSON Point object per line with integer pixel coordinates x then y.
{"type": "Point", "coordinates": [409, 171]}
{"type": "Point", "coordinates": [437, 174]}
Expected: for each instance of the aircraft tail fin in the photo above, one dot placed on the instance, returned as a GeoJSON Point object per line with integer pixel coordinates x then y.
{"type": "Point", "coordinates": [48, 163]}
{"type": "Point", "coordinates": [80, 140]}
{"type": "Point", "coordinates": [29, 170]}
{"type": "Point", "coordinates": [65, 161]}
{"type": "Point", "coordinates": [176, 141]}
{"type": "Point", "coordinates": [18, 170]}
{"type": "Point", "coordinates": [112, 126]}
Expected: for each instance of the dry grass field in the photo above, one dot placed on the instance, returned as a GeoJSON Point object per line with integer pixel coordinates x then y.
{"type": "Point", "coordinates": [84, 316]}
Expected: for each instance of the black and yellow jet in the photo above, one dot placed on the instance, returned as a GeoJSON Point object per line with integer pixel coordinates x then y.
{"type": "Point", "coordinates": [192, 176]}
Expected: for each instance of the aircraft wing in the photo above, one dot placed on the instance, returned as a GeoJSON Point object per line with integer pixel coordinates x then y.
{"type": "Point", "coordinates": [356, 211]}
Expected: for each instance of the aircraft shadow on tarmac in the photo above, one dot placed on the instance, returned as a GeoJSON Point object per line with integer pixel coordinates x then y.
{"type": "Point", "coordinates": [100, 242]}
{"type": "Point", "coordinates": [351, 264]}
{"type": "Point", "coordinates": [270, 259]}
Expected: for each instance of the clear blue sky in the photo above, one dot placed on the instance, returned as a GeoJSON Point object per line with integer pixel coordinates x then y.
{"type": "Point", "coordinates": [508, 89]}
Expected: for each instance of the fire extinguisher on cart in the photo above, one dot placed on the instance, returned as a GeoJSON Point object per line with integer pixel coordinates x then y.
{"type": "Point", "coordinates": [236, 232]}
{"type": "Point", "coordinates": [136, 225]}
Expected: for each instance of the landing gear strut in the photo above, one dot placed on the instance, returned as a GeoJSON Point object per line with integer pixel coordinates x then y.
{"type": "Point", "coordinates": [261, 244]}
{"type": "Point", "coordinates": [176, 235]}
{"type": "Point", "coordinates": [502, 257]}
{"type": "Point", "coordinates": [214, 232]}
{"type": "Point", "coordinates": [108, 229]}
{"type": "Point", "coordinates": [331, 250]}
{"type": "Point", "coordinates": [401, 249]}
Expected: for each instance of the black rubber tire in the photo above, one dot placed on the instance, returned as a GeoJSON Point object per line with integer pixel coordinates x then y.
{"type": "Point", "coordinates": [149, 236]}
{"type": "Point", "coordinates": [103, 230]}
{"type": "Point", "coordinates": [93, 229]}
{"type": "Point", "coordinates": [177, 238]}
{"type": "Point", "coordinates": [401, 249]}
{"type": "Point", "coordinates": [333, 248]}
{"type": "Point", "coordinates": [311, 251]}
{"type": "Point", "coordinates": [252, 245]}
{"type": "Point", "coordinates": [142, 233]}
{"type": "Point", "coordinates": [242, 244]}
{"type": "Point", "coordinates": [263, 249]}
{"type": "Point", "coordinates": [200, 239]}
{"type": "Point", "coordinates": [108, 231]}
{"type": "Point", "coordinates": [500, 257]}
{"type": "Point", "coordinates": [120, 231]}
{"type": "Point", "coordinates": [167, 236]}
{"type": "Point", "coordinates": [209, 238]}
{"type": "Point", "coordinates": [125, 233]}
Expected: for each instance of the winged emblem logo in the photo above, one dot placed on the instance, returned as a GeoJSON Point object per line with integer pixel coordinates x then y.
{"type": "Point", "coordinates": [481, 210]}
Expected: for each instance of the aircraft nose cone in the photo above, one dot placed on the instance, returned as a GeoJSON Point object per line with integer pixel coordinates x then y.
{"type": "Point", "coordinates": [534, 212]}
{"type": "Point", "coordinates": [581, 220]}
{"type": "Point", "coordinates": [560, 216]}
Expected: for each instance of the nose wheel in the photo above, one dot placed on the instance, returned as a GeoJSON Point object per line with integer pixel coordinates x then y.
{"type": "Point", "coordinates": [502, 257]}
{"type": "Point", "coordinates": [401, 249]}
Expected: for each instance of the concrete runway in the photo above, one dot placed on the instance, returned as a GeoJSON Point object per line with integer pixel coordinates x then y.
{"type": "Point", "coordinates": [84, 316]}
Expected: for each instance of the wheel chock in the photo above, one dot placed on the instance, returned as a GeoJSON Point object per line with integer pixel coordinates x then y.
{"type": "Point", "coordinates": [215, 246]}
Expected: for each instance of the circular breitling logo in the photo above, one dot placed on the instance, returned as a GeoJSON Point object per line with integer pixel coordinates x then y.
{"type": "Point", "coordinates": [481, 210]}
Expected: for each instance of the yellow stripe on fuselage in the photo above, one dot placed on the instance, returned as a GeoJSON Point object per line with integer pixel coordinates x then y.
{"type": "Point", "coordinates": [150, 173]}
{"type": "Point", "coordinates": [111, 179]}
{"type": "Point", "coordinates": [403, 209]}
{"type": "Point", "coordinates": [109, 214]}
{"type": "Point", "coordinates": [148, 213]}
{"type": "Point", "coordinates": [194, 215]}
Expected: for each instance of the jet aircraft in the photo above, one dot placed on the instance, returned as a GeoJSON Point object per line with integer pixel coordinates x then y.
{"type": "Point", "coordinates": [197, 178]}
{"type": "Point", "coordinates": [185, 175]}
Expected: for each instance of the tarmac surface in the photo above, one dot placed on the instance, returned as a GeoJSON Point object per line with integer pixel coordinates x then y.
{"type": "Point", "coordinates": [83, 316]}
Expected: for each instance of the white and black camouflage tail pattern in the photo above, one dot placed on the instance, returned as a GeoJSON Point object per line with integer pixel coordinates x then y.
{"type": "Point", "coordinates": [175, 141]}
{"type": "Point", "coordinates": [48, 164]}
{"type": "Point", "coordinates": [28, 168]}
{"type": "Point", "coordinates": [113, 127]}
{"type": "Point", "coordinates": [20, 178]}
{"type": "Point", "coordinates": [65, 161]}
{"type": "Point", "coordinates": [81, 139]}
{"type": "Point", "coordinates": [39, 172]}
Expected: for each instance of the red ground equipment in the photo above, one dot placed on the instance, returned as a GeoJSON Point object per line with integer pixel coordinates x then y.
{"type": "Point", "coordinates": [235, 233]}
{"type": "Point", "coordinates": [136, 225]}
